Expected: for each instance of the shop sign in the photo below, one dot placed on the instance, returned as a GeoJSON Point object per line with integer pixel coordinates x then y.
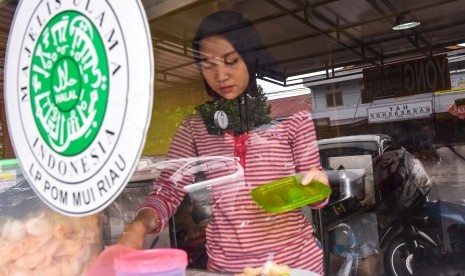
{"type": "Point", "coordinates": [322, 122]}
{"type": "Point", "coordinates": [457, 108]}
{"type": "Point", "coordinates": [78, 94]}
{"type": "Point", "coordinates": [398, 112]}
{"type": "Point", "coordinates": [407, 78]}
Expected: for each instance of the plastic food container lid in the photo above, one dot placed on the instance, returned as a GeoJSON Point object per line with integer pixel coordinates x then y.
{"type": "Point", "coordinates": [151, 260]}
{"type": "Point", "coordinates": [288, 193]}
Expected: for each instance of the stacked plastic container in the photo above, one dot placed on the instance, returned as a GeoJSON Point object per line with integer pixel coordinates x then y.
{"type": "Point", "coordinates": [123, 261]}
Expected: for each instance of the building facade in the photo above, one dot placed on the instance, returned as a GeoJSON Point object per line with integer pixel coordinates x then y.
{"type": "Point", "coordinates": [415, 121]}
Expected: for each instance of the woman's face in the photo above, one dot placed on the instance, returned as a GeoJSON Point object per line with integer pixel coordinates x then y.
{"type": "Point", "coordinates": [222, 67]}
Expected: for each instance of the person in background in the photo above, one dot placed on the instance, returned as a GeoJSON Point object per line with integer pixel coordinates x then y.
{"type": "Point", "coordinates": [229, 54]}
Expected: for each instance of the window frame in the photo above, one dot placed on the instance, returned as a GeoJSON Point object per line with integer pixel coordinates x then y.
{"type": "Point", "coordinates": [334, 94]}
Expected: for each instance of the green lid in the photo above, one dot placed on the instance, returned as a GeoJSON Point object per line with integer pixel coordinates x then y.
{"type": "Point", "coordinates": [288, 193]}
{"type": "Point", "coordinates": [9, 162]}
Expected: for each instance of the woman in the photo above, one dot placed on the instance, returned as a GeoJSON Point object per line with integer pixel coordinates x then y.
{"type": "Point", "coordinates": [229, 55]}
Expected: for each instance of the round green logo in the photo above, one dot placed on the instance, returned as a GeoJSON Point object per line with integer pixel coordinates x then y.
{"type": "Point", "coordinates": [69, 83]}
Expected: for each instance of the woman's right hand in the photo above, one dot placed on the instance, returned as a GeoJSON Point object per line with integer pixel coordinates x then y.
{"type": "Point", "coordinates": [134, 234]}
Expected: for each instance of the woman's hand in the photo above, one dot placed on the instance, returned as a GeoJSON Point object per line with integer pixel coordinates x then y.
{"type": "Point", "coordinates": [134, 234]}
{"type": "Point", "coordinates": [316, 174]}
{"type": "Point", "coordinates": [319, 175]}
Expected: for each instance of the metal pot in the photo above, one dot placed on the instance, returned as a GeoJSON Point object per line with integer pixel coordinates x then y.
{"type": "Point", "coordinates": [352, 183]}
{"type": "Point", "coordinates": [347, 183]}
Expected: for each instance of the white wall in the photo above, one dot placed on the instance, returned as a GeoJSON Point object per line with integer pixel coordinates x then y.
{"type": "Point", "coordinates": [353, 109]}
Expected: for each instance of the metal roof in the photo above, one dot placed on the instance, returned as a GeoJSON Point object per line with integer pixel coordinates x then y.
{"type": "Point", "coordinates": [281, 108]}
{"type": "Point", "coordinates": [313, 35]}
{"type": "Point", "coordinates": [303, 35]}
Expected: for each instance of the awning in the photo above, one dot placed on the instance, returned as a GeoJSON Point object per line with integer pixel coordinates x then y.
{"type": "Point", "coordinates": [303, 35]}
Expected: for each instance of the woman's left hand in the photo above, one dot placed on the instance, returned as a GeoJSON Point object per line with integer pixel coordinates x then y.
{"type": "Point", "coordinates": [316, 174]}
{"type": "Point", "coordinates": [319, 175]}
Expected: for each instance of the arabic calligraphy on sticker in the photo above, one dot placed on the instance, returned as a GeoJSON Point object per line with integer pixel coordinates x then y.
{"type": "Point", "coordinates": [80, 73]}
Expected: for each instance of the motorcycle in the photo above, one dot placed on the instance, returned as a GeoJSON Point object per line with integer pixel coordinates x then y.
{"type": "Point", "coordinates": [417, 245]}
{"type": "Point", "coordinates": [417, 236]}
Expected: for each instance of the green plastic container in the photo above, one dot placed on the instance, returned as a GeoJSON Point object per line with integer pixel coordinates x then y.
{"type": "Point", "coordinates": [288, 193]}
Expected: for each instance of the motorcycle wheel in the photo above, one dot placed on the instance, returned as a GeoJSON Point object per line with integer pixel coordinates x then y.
{"type": "Point", "coordinates": [398, 258]}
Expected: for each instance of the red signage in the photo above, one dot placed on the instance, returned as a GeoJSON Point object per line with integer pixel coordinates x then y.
{"type": "Point", "coordinates": [457, 110]}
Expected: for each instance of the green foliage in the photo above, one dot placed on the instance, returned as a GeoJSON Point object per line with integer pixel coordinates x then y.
{"type": "Point", "coordinates": [252, 110]}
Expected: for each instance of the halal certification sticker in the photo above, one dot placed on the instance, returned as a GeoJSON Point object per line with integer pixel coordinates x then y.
{"type": "Point", "coordinates": [78, 95]}
{"type": "Point", "coordinates": [69, 90]}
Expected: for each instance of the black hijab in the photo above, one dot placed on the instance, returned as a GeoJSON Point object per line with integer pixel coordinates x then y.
{"type": "Point", "coordinates": [240, 32]}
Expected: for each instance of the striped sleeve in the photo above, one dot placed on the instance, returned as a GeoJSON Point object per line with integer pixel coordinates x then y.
{"type": "Point", "coordinates": [168, 189]}
{"type": "Point", "coordinates": [302, 138]}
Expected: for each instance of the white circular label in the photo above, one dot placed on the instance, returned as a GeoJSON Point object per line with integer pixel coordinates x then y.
{"type": "Point", "coordinates": [221, 119]}
{"type": "Point", "coordinates": [78, 96]}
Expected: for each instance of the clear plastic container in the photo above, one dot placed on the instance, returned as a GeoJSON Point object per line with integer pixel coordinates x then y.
{"type": "Point", "coordinates": [161, 262]}
{"type": "Point", "coordinates": [34, 239]}
{"type": "Point", "coordinates": [288, 193]}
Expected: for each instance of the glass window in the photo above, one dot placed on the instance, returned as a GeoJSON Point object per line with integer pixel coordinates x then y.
{"type": "Point", "coordinates": [231, 112]}
{"type": "Point", "coordinates": [334, 99]}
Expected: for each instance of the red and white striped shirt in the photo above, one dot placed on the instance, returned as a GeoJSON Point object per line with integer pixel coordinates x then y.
{"type": "Point", "coordinates": [241, 234]}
